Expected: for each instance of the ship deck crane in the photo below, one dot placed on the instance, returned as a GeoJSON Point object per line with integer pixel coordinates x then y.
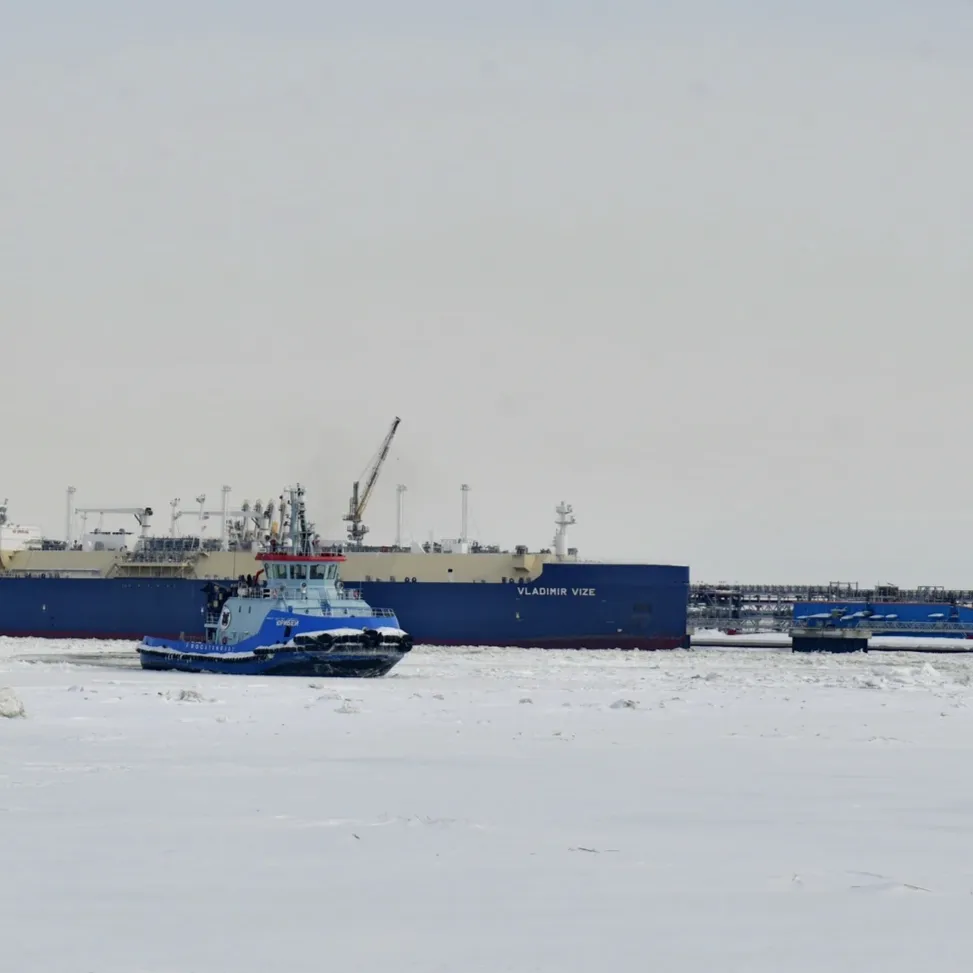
{"type": "Point", "coordinates": [142, 514]}
{"type": "Point", "coordinates": [356, 505]}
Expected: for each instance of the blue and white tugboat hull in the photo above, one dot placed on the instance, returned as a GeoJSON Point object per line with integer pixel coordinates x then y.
{"type": "Point", "coordinates": [346, 651]}
{"type": "Point", "coordinates": [275, 661]}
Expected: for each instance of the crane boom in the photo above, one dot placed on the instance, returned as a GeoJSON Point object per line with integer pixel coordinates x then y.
{"type": "Point", "coordinates": [356, 506]}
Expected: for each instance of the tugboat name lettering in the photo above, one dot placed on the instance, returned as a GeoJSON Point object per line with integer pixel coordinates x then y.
{"type": "Point", "coordinates": [561, 592]}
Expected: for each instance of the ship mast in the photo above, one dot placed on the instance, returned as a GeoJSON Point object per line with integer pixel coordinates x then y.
{"type": "Point", "coordinates": [356, 505]}
{"type": "Point", "coordinates": [564, 520]}
{"type": "Point", "coordinates": [301, 528]}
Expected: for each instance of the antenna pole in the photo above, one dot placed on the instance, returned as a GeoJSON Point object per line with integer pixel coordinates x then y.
{"type": "Point", "coordinates": [224, 526]}
{"type": "Point", "coordinates": [69, 518]}
{"type": "Point", "coordinates": [465, 522]}
{"type": "Point", "coordinates": [399, 504]}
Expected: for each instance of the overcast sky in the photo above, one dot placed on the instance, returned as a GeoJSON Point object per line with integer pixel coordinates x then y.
{"type": "Point", "coordinates": [704, 274]}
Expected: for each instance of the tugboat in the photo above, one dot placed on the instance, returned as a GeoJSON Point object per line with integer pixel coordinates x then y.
{"type": "Point", "coordinates": [296, 620]}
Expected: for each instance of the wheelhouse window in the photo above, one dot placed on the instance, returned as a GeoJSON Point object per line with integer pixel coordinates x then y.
{"type": "Point", "coordinates": [279, 572]}
{"type": "Point", "coordinates": [298, 572]}
{"type": "Point", "coordinates": [318, 572]}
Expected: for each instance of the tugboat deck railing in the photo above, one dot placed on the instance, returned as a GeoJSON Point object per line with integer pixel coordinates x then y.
{"type": "Point", "coordinates": [288, 592]}
{"type": "Point", "coordinates": [363, 613]}
{"type": "Point", "coordinates": [212, 619]}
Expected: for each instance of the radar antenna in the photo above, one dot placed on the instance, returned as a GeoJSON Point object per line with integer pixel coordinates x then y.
{"type": "Point", "coordinates": [356, 505]}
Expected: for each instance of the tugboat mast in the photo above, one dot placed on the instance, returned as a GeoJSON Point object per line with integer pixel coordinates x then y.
{"type": "Point", "coordinates": [300, 532]}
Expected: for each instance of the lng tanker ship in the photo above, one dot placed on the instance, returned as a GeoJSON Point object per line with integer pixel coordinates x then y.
{"type": "Point", "coordinates": [123, 585]}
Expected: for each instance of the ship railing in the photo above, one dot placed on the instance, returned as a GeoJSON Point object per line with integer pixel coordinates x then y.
{"type": "Point", "coordinates": [383, 613]}
{"type": "Point", "coordinates": [835, 592]}
{"type": "Point", "coordinates": [245, 591]}
{"type": "Point", "coordinates": [750, 625]}
{"type": "Point", "coordinates": [350, 610]}
{"type": "Point", "coordinates": [158, 555]}
{"type": "Point", "coordinates": [286, 590]}
{"type": "Point", "coordinates": [27, 573]}
{"type": "Point", "coordinates": [747, 608]}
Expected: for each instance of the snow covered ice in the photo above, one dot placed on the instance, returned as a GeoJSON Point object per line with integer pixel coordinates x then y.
{"type": "Point", "coordinates": [488, 810]}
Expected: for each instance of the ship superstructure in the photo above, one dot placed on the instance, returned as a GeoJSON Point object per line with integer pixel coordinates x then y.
{"type": "Point", "coordinates": [16, 537]}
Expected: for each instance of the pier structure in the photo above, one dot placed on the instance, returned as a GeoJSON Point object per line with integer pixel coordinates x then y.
{"type": "Point", "coordinates": [837, 631]}
{"type": "Point", "coordinates": [739, 609]}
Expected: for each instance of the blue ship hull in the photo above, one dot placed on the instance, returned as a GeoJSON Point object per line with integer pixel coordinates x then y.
{"type": "Point", "coordinates": [917, 612]}
{"type": "Point", "coordinates": [355, 665]}
{"type": "Point", "coordinates": [571, 605]}
{"type": "Point", "coordinates": [295, 663]}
